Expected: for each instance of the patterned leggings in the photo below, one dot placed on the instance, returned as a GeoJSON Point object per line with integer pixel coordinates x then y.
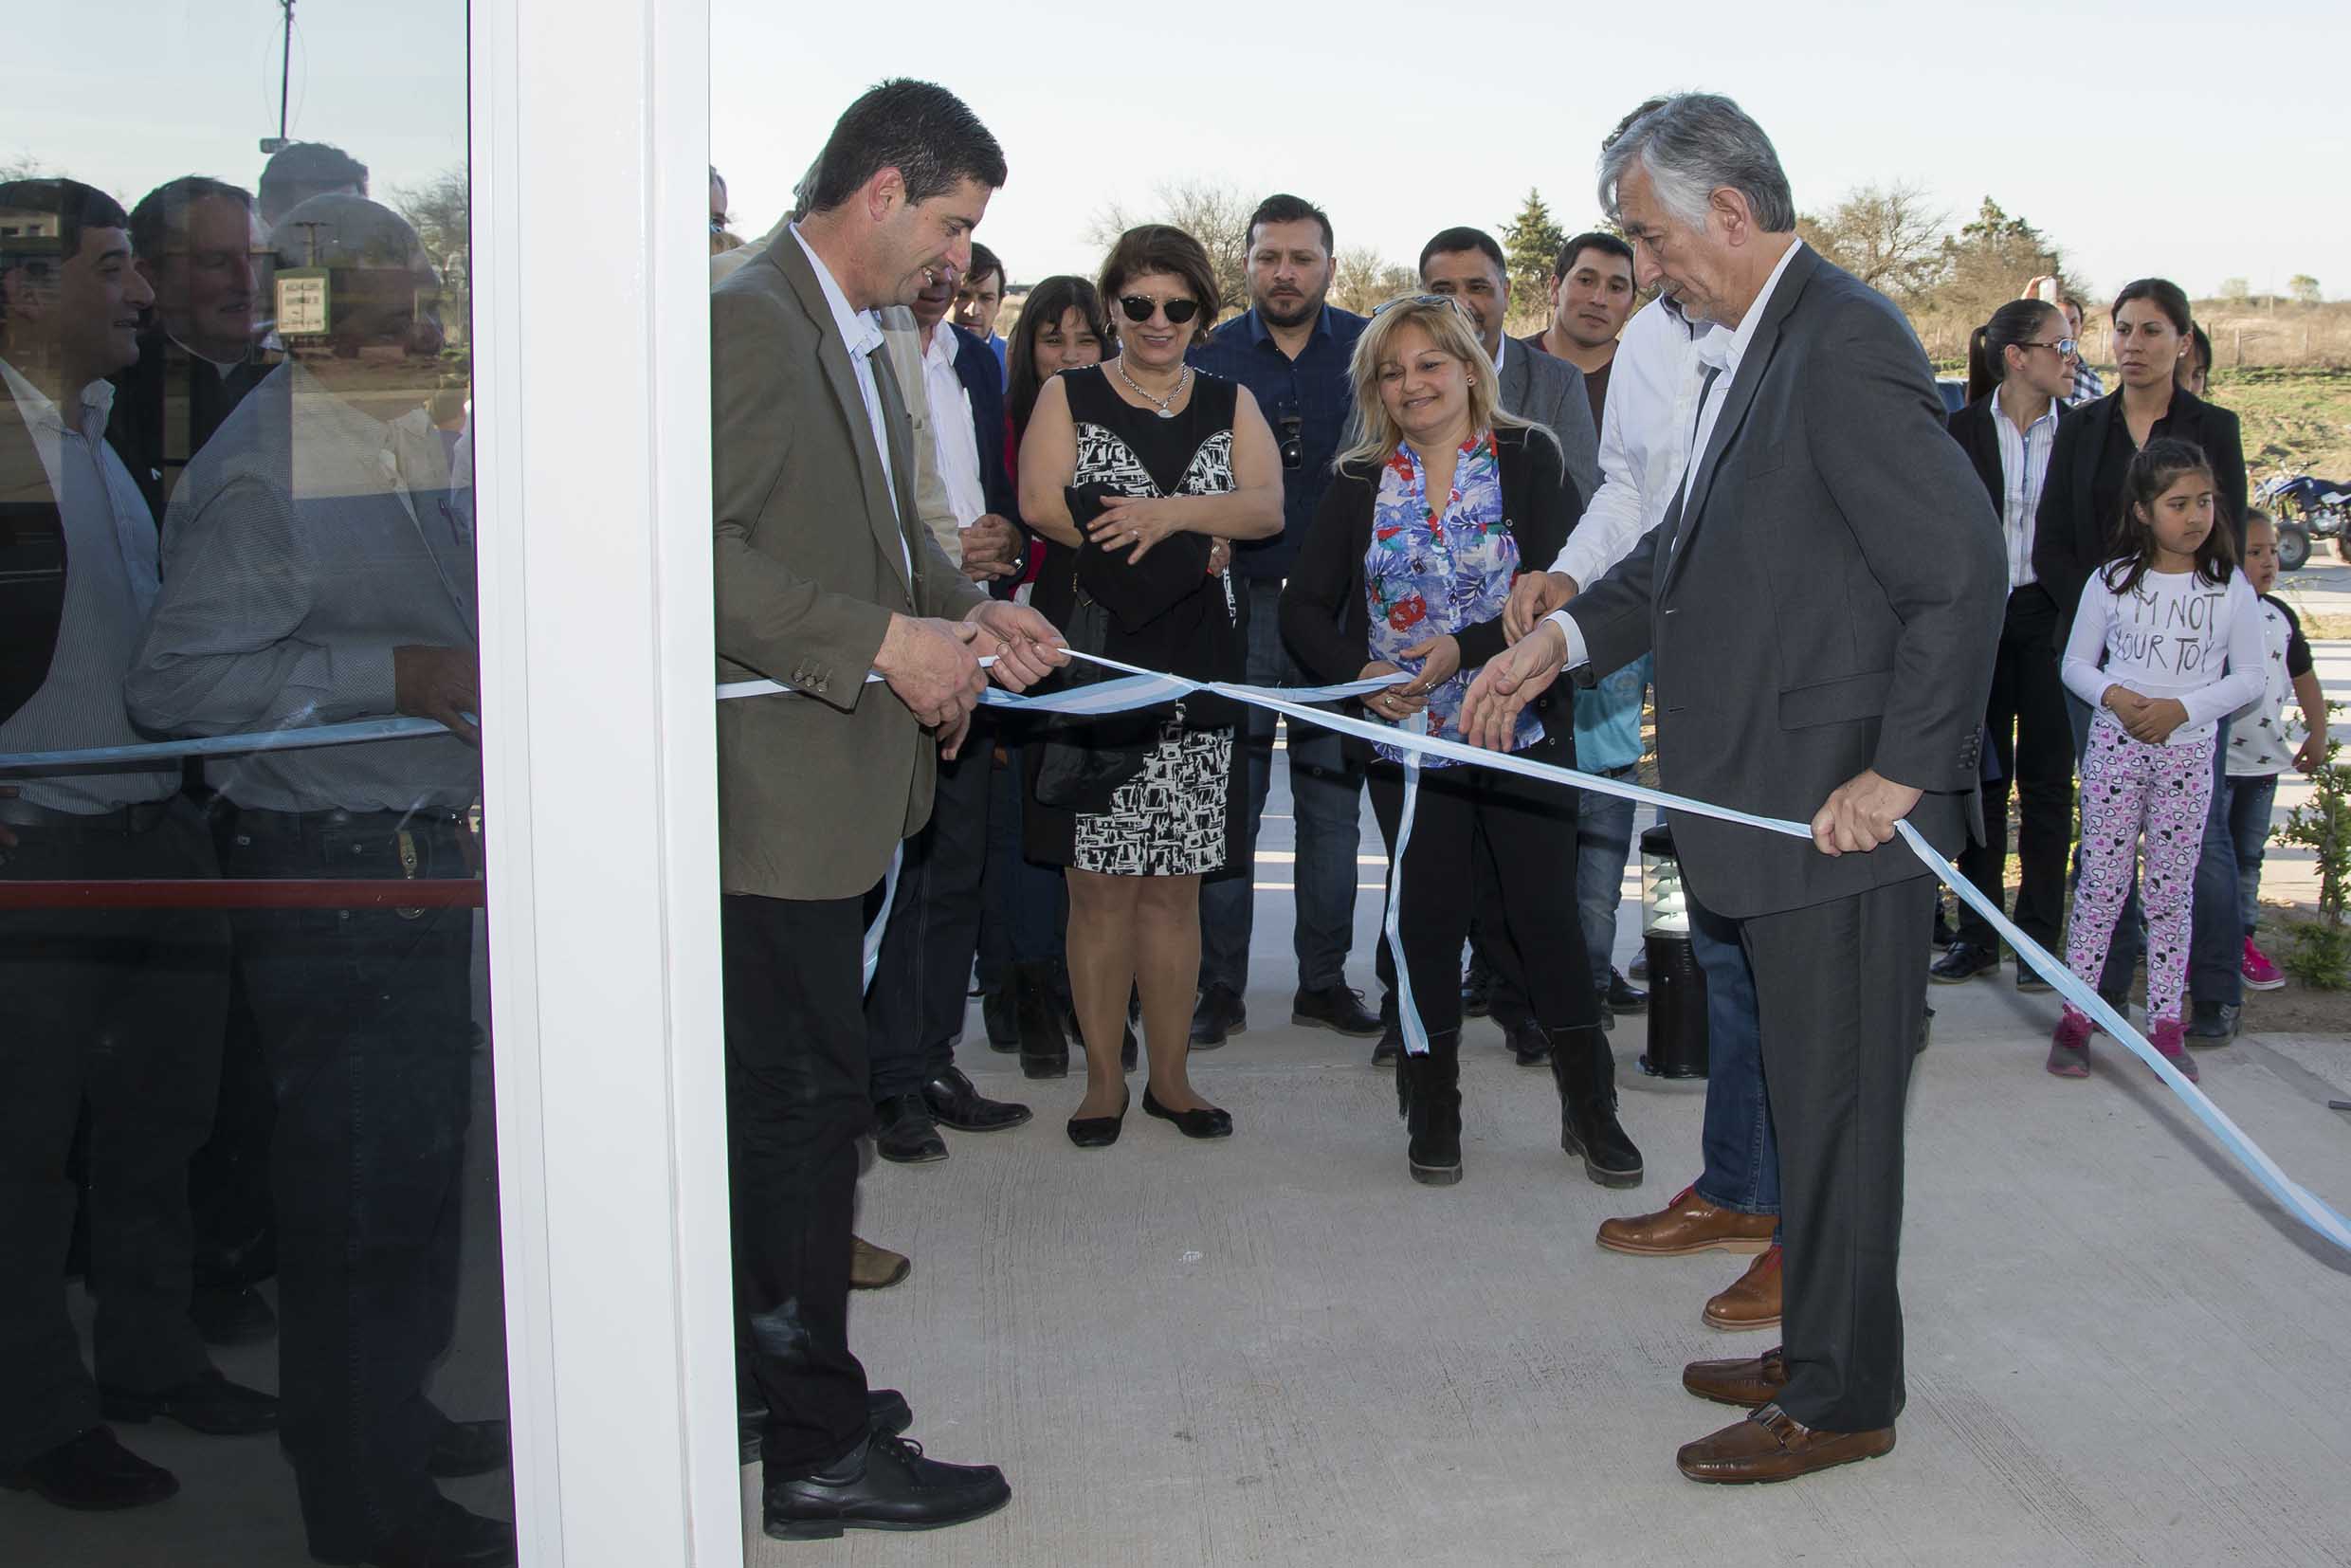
{"type": "Point", "coordinates": [2130, 791]}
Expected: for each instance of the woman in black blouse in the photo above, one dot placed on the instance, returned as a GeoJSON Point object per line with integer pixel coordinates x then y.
{"type": "Point", "coordinates": [1407, 567]}
{"type": "Point", "coordinates": [2095, 443]}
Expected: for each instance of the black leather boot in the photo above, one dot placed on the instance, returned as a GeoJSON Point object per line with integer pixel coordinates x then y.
{"type": "Point", "coordinates": [999, 1015]}
{"type": "Point", "coordinates": [1036, 1013]}
{"type": "Point", "coordinates": [1431, 1099]}
{"type": "Point", "coordinates": [1585, 1072]}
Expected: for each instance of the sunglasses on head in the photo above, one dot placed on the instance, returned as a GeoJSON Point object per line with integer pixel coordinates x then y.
{"type": "Point", "coordinates": [1416, 299]}
{"type": "Point", "coordinates": [1137, 308]}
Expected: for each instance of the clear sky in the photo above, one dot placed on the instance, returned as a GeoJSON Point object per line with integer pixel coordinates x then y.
{"type": "Point", "coordinates": [2201, 141]}
{"type": "Point", "coordinates": [2194, 141]}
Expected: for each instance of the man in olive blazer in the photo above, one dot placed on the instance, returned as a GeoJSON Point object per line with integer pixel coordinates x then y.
{"type": "Point", "coordinates": [823, 574]}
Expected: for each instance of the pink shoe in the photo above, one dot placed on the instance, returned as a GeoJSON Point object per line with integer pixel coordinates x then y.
{"type": "Point", "coordinates": [2165, 1038]}
{"type": "Point", "coordinates": [2068, 1048]}
{"type": "Point", "coordinates": [2260, 974]}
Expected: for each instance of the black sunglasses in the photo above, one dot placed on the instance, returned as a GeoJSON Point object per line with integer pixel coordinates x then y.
{"type": "Point", "coordinates": [1137, 308]}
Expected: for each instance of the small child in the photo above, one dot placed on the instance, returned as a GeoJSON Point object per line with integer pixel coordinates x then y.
{"type": "Point", "coordinates": [2257, 745]}
{"type": "Point", "coordinates": [2157, 624]}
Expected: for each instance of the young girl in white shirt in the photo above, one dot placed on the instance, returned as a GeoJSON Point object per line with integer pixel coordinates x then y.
{"type": "Point", "coordinates": [2167, 642]}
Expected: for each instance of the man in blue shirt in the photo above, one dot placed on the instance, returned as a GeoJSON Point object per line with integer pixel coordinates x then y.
{"type": "Point", "coordinates": [1290, 348]}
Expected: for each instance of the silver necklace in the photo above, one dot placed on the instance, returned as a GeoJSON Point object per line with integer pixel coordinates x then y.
{"type": "Point", "coordinates": [1161, 403]}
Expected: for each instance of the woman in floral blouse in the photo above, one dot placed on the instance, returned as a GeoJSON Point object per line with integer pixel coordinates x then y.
{"type": "Point", "coordinates": [1407, 568]}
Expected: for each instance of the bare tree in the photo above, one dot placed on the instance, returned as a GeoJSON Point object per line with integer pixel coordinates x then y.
{"type": "Point", "coordinates": [24, 166]}
{"type": "Point", "coordinates": [1364, 277]}
{"type": "Point", "coordinates": [1214, 213]}
{"type": "Point", "coordinates": [441, 211]}
{"type": "Point", "coordinates": [1885, 235]}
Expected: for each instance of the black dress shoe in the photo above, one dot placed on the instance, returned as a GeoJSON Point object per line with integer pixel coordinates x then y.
{"type": "Point", "coordinates": [442, 1536]}
{"type": "Point", "coordinates": [884, 1483]}
{"type": "Point", "coordinates": [904, 1132]}
{"type": "Point", "coordinates": [1098, 1131]}
{"type": "Point", "coordinates": [1477, 987]}
{"type": "Point", "coordinates": [2214, 1023]}
{"type": "Point", "coordinates": [887, 1411]}
{"type": "Point", "coordinates": [1335, 1007]}
{"type": "Point", "coordinates": [955, 1104]}
{"type": "Point", "coordinates": [209, 1404]}
{"type": "Point", "coordinates": [1963, 961]}
{"type": "Point", "coordinates": [2029, 980]}
{"type": "Point", "coordinates": [1529, 1043]}
{"type": "Point", "coordinates": [93, 1472]}
{"type": "Point", "coordinates": [468, 1448]}
{"type": "Point", "coordinates": [1220, 1015]}
{"type": "Point", "coordinates": [1391, 1043]}
{"type": "Point", "coordinates": [1205, 1121]}
{"type": "Point", "coordinates": [998, 1016]}
{"type": "Point", "coordinates": [231, 1315]}
{"type": "Point", "coordinates": [1620, 996]}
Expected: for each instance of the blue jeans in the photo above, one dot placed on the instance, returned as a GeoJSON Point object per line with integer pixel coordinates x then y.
{"type": "Point", "coordinates": [2214, 943]}
{"type": "Point", "coordinates": [1603, 845]}
{"type": "Point", "coordinates": [1741, 1155]}
{"type": "Point", "coordinates": [2246, 802]}
{"type": "Point", "coordinates": [1325, 796]}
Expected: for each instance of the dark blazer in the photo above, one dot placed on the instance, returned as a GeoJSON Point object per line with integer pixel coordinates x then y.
{"type": "Point", "coordinates": [32, 564]}
{"type": "Point", "coordinates": [975, 367]}
{"type": "Point", "coordinates": [1325, 616]}
{"type": "Point", "coordinates": [1550, 391]}
{"type": "Point", "coordinates": [167, 406]}
{"type": "Point", "coordinates": [2069, 539]}
{"type": "Point", "coordinates": [1828, 600]}
{"type": "Point", "coordinates": [1973, 429]}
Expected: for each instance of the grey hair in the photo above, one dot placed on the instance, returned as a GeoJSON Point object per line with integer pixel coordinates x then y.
{"type": "Point", "coordinates": [1691, 145]}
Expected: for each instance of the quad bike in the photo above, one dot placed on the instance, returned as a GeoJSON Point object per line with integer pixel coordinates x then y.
{"type": "Point", "coordinates": [2304, 509]}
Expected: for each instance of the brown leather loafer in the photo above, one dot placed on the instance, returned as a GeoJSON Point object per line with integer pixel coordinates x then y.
{"type": "Point", "coordinates": [1753, 1381]}
{"type": "Point", "coordinates": [1688, 1223]}
{"type": "Point", "coordinates": [1771, 1445]}
{"type": "Point", "coordinates": [874, 1268]}
{"type": "Point", "coordinates": [1751, 1301]}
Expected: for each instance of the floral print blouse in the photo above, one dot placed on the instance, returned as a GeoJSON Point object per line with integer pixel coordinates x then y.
{"type": "Point", "coordinates": [1433, 570]}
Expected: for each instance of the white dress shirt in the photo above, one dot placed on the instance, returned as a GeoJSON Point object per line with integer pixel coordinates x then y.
{"type": "Point", "coordinates": [2024, 468]}
{"type": "Point", "coordinates": [1656, 428]}
{"type": "Point", "coordinates": [110, 590]}
{"type": "Point", "coordinates": [860, 335]}
{"type": "Point", "coordinates": [954, 435]}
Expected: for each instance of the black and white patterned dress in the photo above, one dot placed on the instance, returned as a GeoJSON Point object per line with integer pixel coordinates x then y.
{"type": "Point", "coordinates": [1178, 816]}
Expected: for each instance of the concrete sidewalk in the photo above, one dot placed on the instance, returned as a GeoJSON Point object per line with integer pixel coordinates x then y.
{"type": "Point", "coordinates": [1280, 1350]}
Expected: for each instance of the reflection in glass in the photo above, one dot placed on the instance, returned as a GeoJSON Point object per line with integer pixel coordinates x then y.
{"type": "Point", "coordinates": [248, 1274]}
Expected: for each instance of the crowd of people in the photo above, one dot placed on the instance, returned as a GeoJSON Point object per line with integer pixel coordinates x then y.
{"type": "Point", "coordinates": [1719, 486]}
{"type": "Point", "coordinates": [219, 526]}
{"type": "Point", "coordinates": [1892, 612]}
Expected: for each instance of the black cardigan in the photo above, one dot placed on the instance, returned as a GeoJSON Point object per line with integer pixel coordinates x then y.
{"type": "Point", "coordinates": [1325, 616]}
{"type": "Point", "coordinates": [2069, 539]}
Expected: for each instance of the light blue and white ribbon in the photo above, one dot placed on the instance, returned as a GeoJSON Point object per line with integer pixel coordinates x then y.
{"type": "Point", "coordinates": [1142, 687]}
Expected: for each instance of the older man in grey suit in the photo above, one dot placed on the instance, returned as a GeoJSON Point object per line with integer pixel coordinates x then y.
{"type": "Point", "coordinates": [823, 574]}
{"type": "Point", "coordinates": [1466, 265]}
{"type": "Point", "coordinates": [1823, 599]}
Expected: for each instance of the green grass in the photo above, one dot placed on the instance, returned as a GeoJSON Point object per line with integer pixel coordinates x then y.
{"type": "Point", "coordinates": [2294, 418]}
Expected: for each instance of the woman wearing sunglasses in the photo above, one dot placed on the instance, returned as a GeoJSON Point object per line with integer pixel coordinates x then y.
{"type": "Point", "coordinates": [2020, 369]}
{"type": "Point", "coordinates": [1135, 471]}
{"type": "Point", "coordinates": [1407, 568]}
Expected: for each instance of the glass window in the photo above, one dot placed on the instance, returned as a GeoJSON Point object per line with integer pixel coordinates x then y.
{"type": "Point", "coordinates": [249, 1273]}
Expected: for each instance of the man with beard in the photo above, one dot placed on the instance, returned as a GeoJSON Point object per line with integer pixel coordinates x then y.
{"type": "Point", "coordinates": [1290, 348]}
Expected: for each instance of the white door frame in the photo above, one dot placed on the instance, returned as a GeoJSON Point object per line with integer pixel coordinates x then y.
{"type": "Point", "coordinates": [592, 399]}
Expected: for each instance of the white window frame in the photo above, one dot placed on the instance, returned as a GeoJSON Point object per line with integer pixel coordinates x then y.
{"type": "Point", "coordinates": [592, 417]}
